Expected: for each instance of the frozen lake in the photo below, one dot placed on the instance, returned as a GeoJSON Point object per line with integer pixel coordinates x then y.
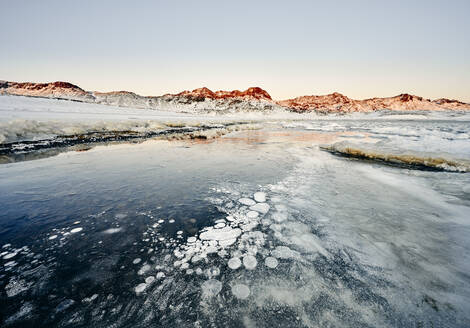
{"type": "Point", "coordinates": [297, 223]}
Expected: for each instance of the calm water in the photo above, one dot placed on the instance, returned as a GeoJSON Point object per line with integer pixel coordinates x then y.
{"type": "Point", "coordinates": [170, 234]}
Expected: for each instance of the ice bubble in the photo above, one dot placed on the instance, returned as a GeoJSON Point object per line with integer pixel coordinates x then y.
{"type": "Point", "coordinates": [120, 216]}
{"type": "Point", "coordinates": [136, 261]}
{"type": "Point", "coordinates": [280, 216]}
{"type": "Point", "coordinates": [234, 263]}
{"type": "Point", "coordinates": [149, 280]}
{"type": "Point", "coordinates": [198, 271]}
{"type": "Point", "coordinates": [112, 230]}
{"type": "Point", "coordinates": [260, 207]}
{"type": "Point", "coordinates": [144, 269]}
{"type": "Point", "coordinates": [189, 271]}
{"type": "Point", "coordinates": [249, 261]}
{"type": "Point", "coordinates": [75, 230]}
{"type": "Point", "coordinates": [284, 252]}
{"type": "Point", "coordinates": [220, 234]}
{"type": "Point", "coordinates": [76, 222]}
{"type": "Point", "coordinates": [6, 245]}
{"type": "Point", "coordinates": [52, 237]}
{"type": "Point", "coordinates": [247, 201]}
{"type": "Point", "coordinates": [211, 287]}
{"type": "Point", "coordinates": [212, 272]}
{"type": "Point", "coordinates": [219, 225]}
{"type": "Point", "coordinates": [10, 264]}
{"type": "Point", "coordinates": [260, 197]}
{"type": "Point", "coordinates": [240, 291]}
{"type": "Point", "coordinates": [171, 221]}
{"type": "Point", "coordinates": [185, 265]}
{"type": "Point", "coordinates": [140, 288]}
{"type": "Point", "coordinates": [160, 275]}
{"type": "Point", "coordinates": [230, 218]}
{"type": "Point", "coordinates": [252, 214]}
{"type": "Point", "coordinates": [271, 262]}
{"type": "Point", "coordinates": [192, 239]}
{"type": "Point", "coordinates": [64, 305]}
{"type": "Point", "coordinates": [228, 242]}
{"type": "Point", "coordinates": [179, 232]}
{"type": "Point", "coordinates": [10, 255]}
{"type": "Point", "coordinates": [160, 221]}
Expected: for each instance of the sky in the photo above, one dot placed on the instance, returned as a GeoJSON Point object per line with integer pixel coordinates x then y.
{"type": "Point", "coordinates": [289, 48]}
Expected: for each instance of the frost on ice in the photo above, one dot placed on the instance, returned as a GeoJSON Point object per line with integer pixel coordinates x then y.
{"type": "Point", "coordinates": [211, 287]}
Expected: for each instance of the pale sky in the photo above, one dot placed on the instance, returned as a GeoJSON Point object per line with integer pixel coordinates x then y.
{"type": "Point", "coordinates": [290, 48]}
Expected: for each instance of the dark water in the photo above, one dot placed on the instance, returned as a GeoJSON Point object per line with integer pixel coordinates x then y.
{"type": "Point", "coordinates": [103, 238]}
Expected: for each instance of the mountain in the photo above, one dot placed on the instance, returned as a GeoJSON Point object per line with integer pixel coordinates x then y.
{"type": "Point", "coordinates": [337, 102]}
{"type": "Point", "coordinates": [206, 100]}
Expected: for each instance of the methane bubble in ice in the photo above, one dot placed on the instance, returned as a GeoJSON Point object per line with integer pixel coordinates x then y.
{"type": "Point", "coordinates": [284, 252]}
{"type": "Point", "coordinates": [252, 214]}
{"type": "Point", "coordinates": [192, 239]}
{"type": "Point", "coordinates": [240, 291]}
{"type": "Point", "coordinates": [140, 288]}
{"type": "Point", "coordinates": [160, 275]}
{"type": "Point", "coordinates": [260, 197]}
{"type": "Point", "coordinates": [249, 261]}
{"type": "Point", "coordinates": [52, 237]}
{"type": "Point", "coordinates": [271, 262]}
{"type": "Point", "coordinates": [112, 230]}
{"type": "Point", "coordinates": [121, 216]}
{"type": "Point", "coordinates": [149, 280]}
{"type": "Point", "coordinates": [75, 230]}
{"type": "Point", "coordinates": [211, 287]}
{"type": "Point", "coordinates": [247, 201]}
{"type": "Point", "coordinates": [260, 207]}
{"type": "Point", "coordinates": [136, 261]}
{"type": "Point", "coordinates": [234, 263]}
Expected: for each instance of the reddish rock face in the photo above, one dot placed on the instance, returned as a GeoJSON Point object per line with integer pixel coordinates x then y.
{"type": "Point", "coordinates": [203, 93]}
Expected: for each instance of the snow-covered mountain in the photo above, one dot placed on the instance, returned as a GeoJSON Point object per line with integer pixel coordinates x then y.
{"type": "Point", "coordinates": [337, 102]}
{"type": "Point", "coordinates": [204, 100]}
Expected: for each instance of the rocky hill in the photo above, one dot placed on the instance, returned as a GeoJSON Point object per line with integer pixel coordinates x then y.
{"type": "Point", "coordinates": [206, 100]}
